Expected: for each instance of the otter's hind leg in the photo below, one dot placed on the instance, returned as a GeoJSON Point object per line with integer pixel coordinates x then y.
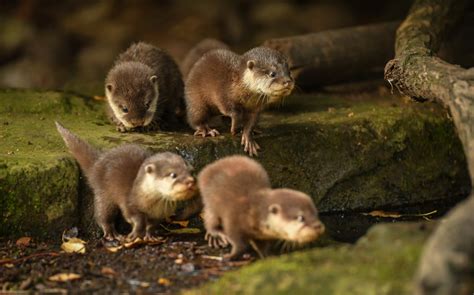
{"type": "Point", "coordinates": [137, 220]}
{"type": "Point", "coordinates": [198, 116]}
{"type": "Point", "coordinates": [105, 213]}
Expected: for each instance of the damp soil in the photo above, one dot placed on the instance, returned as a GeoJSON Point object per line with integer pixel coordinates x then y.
{"type": "Point", "coordinates": [181, 261]}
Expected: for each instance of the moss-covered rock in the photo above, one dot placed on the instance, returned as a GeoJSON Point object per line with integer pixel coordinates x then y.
{"type": "Point", "coordinates": [349, 153]}
{"type": "Point", "coordinates": [382, 262]}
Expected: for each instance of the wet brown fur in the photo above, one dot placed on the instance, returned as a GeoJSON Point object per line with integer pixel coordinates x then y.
{"type": "Point", "coordinates": [130, 86]}
{"type": "Point", "coordinates": [116, 176]}
{"type": "Point", "coordinates": [198, 51]}
{"type": "Point", "coordinates": [237, 195]}
{"type": "Point", "coordinates": [216, 85]}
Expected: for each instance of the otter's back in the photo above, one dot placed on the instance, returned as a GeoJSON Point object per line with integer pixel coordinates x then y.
{"type": "Point", "coordinates": [230, 178]}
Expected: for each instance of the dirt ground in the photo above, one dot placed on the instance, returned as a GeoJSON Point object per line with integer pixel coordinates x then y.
{"type": "Point", "coordinates": [181, 261]}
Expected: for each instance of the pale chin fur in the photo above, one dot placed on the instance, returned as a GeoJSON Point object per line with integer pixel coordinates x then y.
{"type": "Point", "coordinates": [116, 110]}
{"type": "Point", "coordinates": [257, 85]}
{"type": "Point", "coordinates": [156, 187]}
{"type": "Point", "coordinates": [285, 229]}
{"type": "Point", "coordinates": [160, 191]}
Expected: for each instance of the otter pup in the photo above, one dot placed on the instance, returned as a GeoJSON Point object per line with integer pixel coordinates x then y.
{"type": "Point", "coordinates": [236, 86]}
{"type": "Point", "coordinates": [240, 205]}
{"type": "Point", "coordinates": [144, 89]}
{"type": "Point", "coordinates": [198, 51]}
{"type": "Point", "coordinates": [141, 185]}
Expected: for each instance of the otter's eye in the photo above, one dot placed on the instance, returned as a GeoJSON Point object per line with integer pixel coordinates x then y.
{"type": "Point", "coordinates": [272, 74]}
{"type": "Point", "coordinates": [300, 218]}
{"type": "Point", "coordinates": [124, 109]}
{"type": "Point", "coordinates": [173, 175]}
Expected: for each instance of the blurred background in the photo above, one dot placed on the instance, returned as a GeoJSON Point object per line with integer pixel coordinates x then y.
{"type": "Point", "coordinates": [72, 44]}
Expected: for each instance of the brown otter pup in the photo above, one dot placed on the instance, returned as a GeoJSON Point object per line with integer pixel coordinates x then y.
{"type": "Point", "coordinates": [236, 86]}
{"type": "Point", "coordinates": [141, 185]}
{"type": "Point", "coordinates": [198, 51]}
{"type": "Point", "coordinates": [144, 89]}
{"type": "Point", "coordinates": [240, 206]}
{"type": "Point", "coordinates": [447, 264]}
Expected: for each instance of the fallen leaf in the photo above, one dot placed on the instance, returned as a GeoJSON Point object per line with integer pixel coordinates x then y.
{"type": "Point", "coordinates": [134, 243]}
{"type": "Point", "coordinates": [218, 258]}
{"type": "Point", "coordinates": [98, 97]}
{"type": "Point", "coordinates": [9, 265]}
{"type": "Point", "coordinates": [23, 241]}
{"type": "Point", "coordinates": [164, 282]}
{"type": "Point", "coordinates": [114, 249]}
{"type": "Point", "coordinates": [74, 245]}
{"type": "Point", "coordinates": [64, 277]}
{"type": "Point", "coordinates": [380, 213]}
{"type": "Point", "coordinates": [183, 223]}
{"type": "Point", "coordinates": [108, 271]}
{"type": "Point", "coordinates": [351, 114]}
{"type": "Point", "coordinates": [188, 230]}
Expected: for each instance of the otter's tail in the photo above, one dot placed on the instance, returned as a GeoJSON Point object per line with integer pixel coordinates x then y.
{"type": "Point", "coordinates": [84, 153]}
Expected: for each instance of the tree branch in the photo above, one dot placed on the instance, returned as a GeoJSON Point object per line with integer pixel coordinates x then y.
{"type": "Point", "coordinates": [416, 72]}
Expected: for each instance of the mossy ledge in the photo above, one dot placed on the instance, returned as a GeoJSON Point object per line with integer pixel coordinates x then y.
{"type": "Point", "coordinates": [350, 153]}
{"type": "Point", "coordinates": [382, 262]}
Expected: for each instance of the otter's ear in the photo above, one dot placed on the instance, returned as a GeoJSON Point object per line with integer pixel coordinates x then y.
{"type": "Point", "coordinates": [109, 87]}
{"type": "Point", "coordinates": [153, 79]}
{"type": "Point", "coordinates": [250, 64]}
{"type": "Point", "coordinates": [274, 208]}
{"type": "Point", "coordinates": [149, 168]}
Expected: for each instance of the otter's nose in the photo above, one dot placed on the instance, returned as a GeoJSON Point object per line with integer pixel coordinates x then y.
{"type": "Point", "coordinates": [319, 226]}
{"type": "Point", "coordinates": [137, 122]}
{"type": "Point", "coordinates": [190, 182]}
{"type": "Point", "coordinates": [288, 81]}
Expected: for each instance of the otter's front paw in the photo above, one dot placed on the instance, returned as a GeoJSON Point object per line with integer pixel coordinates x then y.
{"type": "Point", "coordinates": [121, 128]}
{"type": "Point", "coordinates": [204, 131]}
{"type": "Point", "coordinates": [216, 240]}
{"type": "Point", "coordinates": [250, 146]}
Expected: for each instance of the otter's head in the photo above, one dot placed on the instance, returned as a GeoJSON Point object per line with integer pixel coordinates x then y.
{"type": "Point", "coordinates": [291, 216]}
{"type": "Point", "coordinates": [267, 73]}
{"type": "Point", "coordinates": [132, 92]}
{"type": "Point", "coordinates": [166, 176]}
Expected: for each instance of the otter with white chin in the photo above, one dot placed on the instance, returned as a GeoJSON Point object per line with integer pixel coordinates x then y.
{"type": "Point", "coordinates": [129, 179]}
{"type": "Point", "coordinates": [144, 89]}
{"type": "Point", "coordinates": [236, 86]}
{"type": "Point", "coordinates": [240, 206]}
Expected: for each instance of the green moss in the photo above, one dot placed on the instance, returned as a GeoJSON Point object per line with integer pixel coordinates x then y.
{"type": "Point", "coordinates": [383, 262]}
{"type": "Point", "coordinates": [348, 153]}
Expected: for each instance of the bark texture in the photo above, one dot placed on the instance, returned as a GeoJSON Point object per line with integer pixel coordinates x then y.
{"type": "Point", "coordinates": [446, 266]}
{"type": "Point", "coordinates": [417, 72]}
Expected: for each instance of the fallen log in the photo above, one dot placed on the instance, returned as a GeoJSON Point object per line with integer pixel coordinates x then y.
{"type": "Point", "coordinates": [341, 55]}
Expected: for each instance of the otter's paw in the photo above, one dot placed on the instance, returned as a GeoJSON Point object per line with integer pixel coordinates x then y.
{"type": "Point", "coordinates": [121, 128]}
{"type": "Point", "coordinates": [216, 240]}
{"type": "Point", "coordinates": [206, 132]}
{"type": "Point", "coordinates": [250, 146]}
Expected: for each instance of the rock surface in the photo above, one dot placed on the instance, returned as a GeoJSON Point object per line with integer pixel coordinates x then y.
{"type": "Point", "coordinates": [382, 262]}
{"type": "Point", "coordinates": [350, 153]}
